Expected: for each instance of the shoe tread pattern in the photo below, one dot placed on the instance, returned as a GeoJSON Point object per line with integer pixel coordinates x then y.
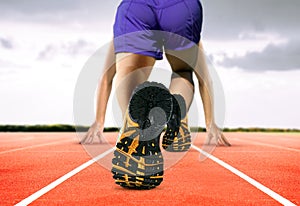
{"type": "Point", "coordinates": [138, 162]}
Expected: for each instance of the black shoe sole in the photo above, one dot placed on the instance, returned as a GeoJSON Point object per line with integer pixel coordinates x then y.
{"type": "Point", "coordinates": [138, 162]}
{"type": "Point", "coordinates": [177, 137]}
{"type": "Point", "coordinates": [182, 141]}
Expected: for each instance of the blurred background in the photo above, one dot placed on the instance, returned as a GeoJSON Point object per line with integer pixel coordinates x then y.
{"type": "Point", "coordinates": [254, 45]}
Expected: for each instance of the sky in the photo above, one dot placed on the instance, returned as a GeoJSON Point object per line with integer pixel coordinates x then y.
{"type": "Point", "coordinates": [253, 45]}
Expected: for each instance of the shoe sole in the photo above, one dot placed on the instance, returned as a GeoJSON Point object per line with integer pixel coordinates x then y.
{"type": "Point", "coordinates": [177, 137]}
{"type": "Point", "coordinates": [182, 141]}
{"type": "Point", "coordinates": [138, 162]}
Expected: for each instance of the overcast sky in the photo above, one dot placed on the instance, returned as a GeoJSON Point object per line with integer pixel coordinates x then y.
{"type": "Point", "coordinates": [254, 45]}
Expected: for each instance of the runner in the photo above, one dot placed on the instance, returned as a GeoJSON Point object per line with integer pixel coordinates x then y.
{"type": "Point", "coordinates": [138, 162]}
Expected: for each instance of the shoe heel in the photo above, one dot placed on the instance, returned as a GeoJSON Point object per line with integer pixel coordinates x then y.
{"type": "Point", "coordinates": [138, 162]}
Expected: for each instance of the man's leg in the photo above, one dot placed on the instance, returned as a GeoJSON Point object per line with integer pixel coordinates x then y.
{"type": "Point", "coordinates": [182, 79]}
{"type": "Point", "coordinates": [132, 70]}
{"type": "Point", "coordinates": [177, 137]}
{"type": "Point", "coordinates": [147, 106]}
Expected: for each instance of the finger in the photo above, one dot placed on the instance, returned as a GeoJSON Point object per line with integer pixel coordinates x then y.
{"type": "Point", "coordinates": [100, 139]}
{"type": "Point", "coordinates": [207, 140]}
{"type": "Point", "coordinates": [87, 137]}
{"type": "Point", "coordinates": [220, 140]}
{"type": "Point", "coordinates": [226, 142]}
{"type": "Point", "coordinates": [84, 139]}
{"type": "Point", "coordinates": [91, 138]}
{"type": "Point", "coordinates": [214, 140]}
{"type": "Point", "coordinates": [100, 136]}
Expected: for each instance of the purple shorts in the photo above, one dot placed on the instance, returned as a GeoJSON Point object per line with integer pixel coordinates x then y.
{"type": "Point", "coordinates": [147, 26]}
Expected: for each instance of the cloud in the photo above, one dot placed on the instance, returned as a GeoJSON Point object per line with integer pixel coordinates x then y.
{"type": "Point", "coordinates": [35, 6]}
{"type": "Point", "coordinates": [227, 19]}
{"type": "Point", "coordinates": [58, 11]}
{"type": "Point", "coordinates": [5, 43]}
{"type": "Point", "coordinates": [274, 57]}
{"type": "Point", "coordinates": [47, 52]}
{"type": "Point", "coordinates": [74, 48]}
{"type": "Point", "coordinates": [71, 49]}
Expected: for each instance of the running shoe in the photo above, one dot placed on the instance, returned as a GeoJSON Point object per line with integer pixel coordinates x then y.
{"type": "Point", "coordinates": [137, 161]}
{"type": "Point", "coordinates": [177, 137]}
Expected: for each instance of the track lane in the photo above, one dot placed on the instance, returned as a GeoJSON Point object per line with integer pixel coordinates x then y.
{"type": "Point", "coordinates": [276, 167]}
{"type": "Point", "coordinates": [25, 171]}
{"type": "Point", "coordinates": [245, 177]}
{"type": "Point", "coordinates": [16, 141]}
{"type": "Point", "coordinates": [267, 144]}
{"type": "Point", "coordinates": [290, 141]}
{"type": "Point", "coordinates": [60, 180]}
{"type": "Point", "coordinates": [205, 183]}
{"type": "Point", "coordinates": [189, 181]}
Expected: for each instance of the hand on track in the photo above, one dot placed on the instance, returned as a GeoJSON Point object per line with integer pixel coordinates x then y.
{"type": "Point", "coordinates": [94, 131]}
{"type": "Point", "coordinates": [216, 137]}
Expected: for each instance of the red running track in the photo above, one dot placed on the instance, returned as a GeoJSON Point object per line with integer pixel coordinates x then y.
{"type": "Point", "coordinates": [38, 168]}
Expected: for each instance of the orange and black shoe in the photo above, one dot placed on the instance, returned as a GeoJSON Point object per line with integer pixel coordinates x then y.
{"type": "Point", "coordinates": [177, 137]}
{"type": "Point", "coordinates": [137, 161]}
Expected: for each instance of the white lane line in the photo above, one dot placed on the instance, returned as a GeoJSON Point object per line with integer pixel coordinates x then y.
{"type": "Point", "coordinates": [60, 180]}
{"type": "Point", "coordinates": [253, 182]}
{"type": "Point", "coordinates": [266, 144]}
{"type": "Point", "coordinates": [34, 146]}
